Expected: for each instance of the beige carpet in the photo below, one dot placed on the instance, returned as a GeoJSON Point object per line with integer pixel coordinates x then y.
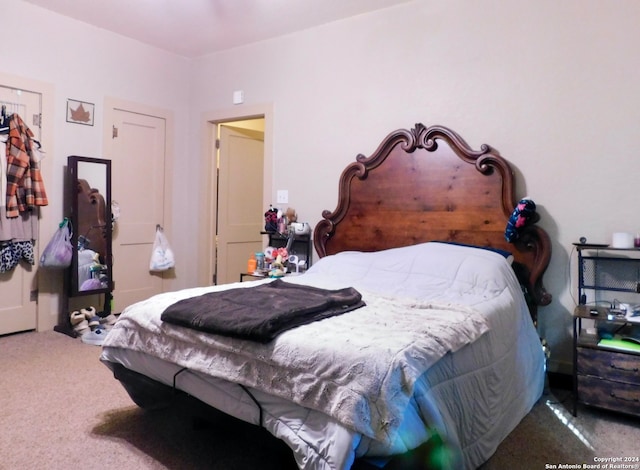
{"type": "Point", "coordinates": [61, 409]}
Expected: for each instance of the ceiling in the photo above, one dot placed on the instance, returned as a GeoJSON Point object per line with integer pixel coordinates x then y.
{"type": "Point", "coordinates": [193, 28]}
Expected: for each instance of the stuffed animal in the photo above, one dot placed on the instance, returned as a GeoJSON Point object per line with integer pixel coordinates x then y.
{"type": "Point", "coordinates": [279, 265]}
{"type": "Point", "coordinates": [291, 215]}
{"type": "Point", "coordinates": [271, 220]}
{"type": "Point", "coordinates": [524, 211]}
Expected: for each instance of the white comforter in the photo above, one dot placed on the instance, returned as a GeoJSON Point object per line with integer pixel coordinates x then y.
{"type": "Point", "coordinates": [366, 368]}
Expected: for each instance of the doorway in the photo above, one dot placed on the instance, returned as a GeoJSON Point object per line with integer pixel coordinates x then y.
{"type": "Point", "coordinates": [208, 270]}
{"type": "Point", "coordinates": [239, 176]}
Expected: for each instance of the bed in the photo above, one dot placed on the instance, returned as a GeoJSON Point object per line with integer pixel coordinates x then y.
{"type": "Point", "coordinates": [444, 349]}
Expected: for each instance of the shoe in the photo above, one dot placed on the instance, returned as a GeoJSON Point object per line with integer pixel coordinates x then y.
{"type": "Point", "coordinates": [108, 321]}
{"type": "Point", "coordinates": [88, 312]}
{"type": "Point", "coordinates": [82, 327]}
{"type": "Point", "coordinates": [94, 322]}
{"type": "Point", "coordinates": [76, 317]}
{"type": "Point", "coordinates": [95, 337]}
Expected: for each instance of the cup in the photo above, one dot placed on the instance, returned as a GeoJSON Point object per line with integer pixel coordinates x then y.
{"type": "Point", "coordinates": [636, 240]}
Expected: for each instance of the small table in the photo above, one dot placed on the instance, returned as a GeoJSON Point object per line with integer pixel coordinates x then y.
{"type": "Point", "coordinates": [253, 275]}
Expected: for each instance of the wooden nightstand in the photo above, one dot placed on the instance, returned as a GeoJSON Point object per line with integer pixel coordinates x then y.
{"type": "Point", "coordinates": [604, 376]}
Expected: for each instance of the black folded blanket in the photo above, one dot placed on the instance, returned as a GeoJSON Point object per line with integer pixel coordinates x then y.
{"type": "Point", "coordinates": [262, 312]}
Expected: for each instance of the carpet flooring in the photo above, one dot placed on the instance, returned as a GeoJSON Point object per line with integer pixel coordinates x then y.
{"type": "Point", "coordinates": [60, 408]}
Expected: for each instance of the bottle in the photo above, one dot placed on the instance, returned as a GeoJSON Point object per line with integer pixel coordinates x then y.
{"type": "Point", "coordinates": [260, 261]}
{"type": "Point", "coordinates": [252, 264]}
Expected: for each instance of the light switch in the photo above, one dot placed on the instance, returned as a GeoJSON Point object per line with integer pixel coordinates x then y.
{"type": "Point", "coordinates": [238, 97]}
{"type": "Point", "coordinates": [283, 196]}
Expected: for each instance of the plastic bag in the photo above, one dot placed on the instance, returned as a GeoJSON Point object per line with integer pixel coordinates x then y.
{"type": "Point", "coordinates": [59, 251]}
{"type": "Point", "coordinates": [162, 257]}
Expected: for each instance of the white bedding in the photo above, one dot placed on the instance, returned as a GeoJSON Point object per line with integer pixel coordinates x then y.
{"type": "Point", "coordinates": [474, 396]}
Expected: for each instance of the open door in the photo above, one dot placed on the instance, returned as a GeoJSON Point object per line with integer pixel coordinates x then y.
{"type": "Point", "coordinates": [240, 209]}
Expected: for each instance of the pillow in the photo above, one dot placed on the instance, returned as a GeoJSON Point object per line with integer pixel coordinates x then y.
{"type": "Point", "coordinates": [504, 253]}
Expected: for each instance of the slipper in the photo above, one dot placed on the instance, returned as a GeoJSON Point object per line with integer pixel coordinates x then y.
{"type": "Point", "coordinates": [88, 312]}
{"type": "Point", "coordinates": [109, 320]}
{"type": "Point", "coordinates": [82, 327]}
{"type": "Point", "coordinates": [76, 317]}
{"type": "Point", "coordinates": [95, 337]}
{"type": "Point", "coordinates": [94, 322]}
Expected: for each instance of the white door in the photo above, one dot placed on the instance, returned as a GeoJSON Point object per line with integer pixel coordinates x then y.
{"type": "Point", "coordinates": [137, 153]}
{"type": "Point", "coordinates": [240, 212]}
{"type": "Point", "coordinates": [18, 312]}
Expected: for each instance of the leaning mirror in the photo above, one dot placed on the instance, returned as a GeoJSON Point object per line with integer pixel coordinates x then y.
{"type": "Point", "coordinates": [90, 203]}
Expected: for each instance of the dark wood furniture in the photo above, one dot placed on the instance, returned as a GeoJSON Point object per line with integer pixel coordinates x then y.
{"type": "Point", "coordinates": [427, 184]}
{"type": "Point", "coordinates": [88, 206]}
{"type": "Point", "coordinates": [420, 185]}
{"type": "Point", "coordinates": [604, 377]}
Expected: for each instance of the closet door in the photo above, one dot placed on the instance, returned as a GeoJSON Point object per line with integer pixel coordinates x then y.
{"type": "Point", "coordinates": [137, 150]}
{"type": "Point", "coordinates": [18, 308]}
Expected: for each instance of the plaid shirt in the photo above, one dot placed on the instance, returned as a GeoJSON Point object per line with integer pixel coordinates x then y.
{"type": "Point", "coordinates": [25, 188]}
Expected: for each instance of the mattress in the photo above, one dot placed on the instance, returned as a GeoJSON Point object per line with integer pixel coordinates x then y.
{"type": "Point", "coordinates": [472, 397]}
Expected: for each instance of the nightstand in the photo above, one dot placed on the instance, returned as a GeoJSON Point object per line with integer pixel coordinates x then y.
{"type": "Point", "coordinates": [604, 376]}
{"type": "Point", "coordinates": [606, 372]}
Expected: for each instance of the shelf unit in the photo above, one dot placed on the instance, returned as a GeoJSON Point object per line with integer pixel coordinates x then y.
{"type": "Point", "coordinates": [601, 268]}
{"type": "Point", "coordinates": [603, 376]}
{"type": "Point", "coordinates": [301, 245]}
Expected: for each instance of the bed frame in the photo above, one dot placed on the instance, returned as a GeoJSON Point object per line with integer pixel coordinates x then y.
{"type": "Point", "coordinates": [427, 184]}
{"type": "Point", "coordinates": [419, 185]}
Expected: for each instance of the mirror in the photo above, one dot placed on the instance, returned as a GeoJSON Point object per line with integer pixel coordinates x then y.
{"type": "Point", "coordinates": [89, 185]}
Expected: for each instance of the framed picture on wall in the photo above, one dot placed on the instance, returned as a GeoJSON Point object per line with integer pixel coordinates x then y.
{"type": "Point", "coordinates": [80, 112]}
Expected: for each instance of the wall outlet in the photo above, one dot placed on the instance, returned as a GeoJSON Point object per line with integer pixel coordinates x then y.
{"type": "Point", "coordinates": [282, 196]}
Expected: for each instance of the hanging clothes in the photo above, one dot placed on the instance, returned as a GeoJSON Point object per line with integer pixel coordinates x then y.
{"type": "Point", "coordinates": [17, 234]}
{"type": "Point", "coordinates": [21, 228]}
{"type": "Point", "coordinates": [25, 187]}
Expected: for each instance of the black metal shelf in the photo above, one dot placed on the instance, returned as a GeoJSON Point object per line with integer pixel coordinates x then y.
{"type": "Point", "coordinates": [607, 269]}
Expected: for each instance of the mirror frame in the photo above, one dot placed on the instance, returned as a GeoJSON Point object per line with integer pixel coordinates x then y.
{"type": "Point", "coordinates": [72, 169]}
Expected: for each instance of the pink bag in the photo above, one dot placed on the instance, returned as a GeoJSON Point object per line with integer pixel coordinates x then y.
{"type": "Point", "coordinates": [59, 251]}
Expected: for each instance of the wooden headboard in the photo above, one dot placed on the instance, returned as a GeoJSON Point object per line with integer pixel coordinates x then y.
{"type": "Point", "coordinates": [427, 184]}
{"type": "Point", "coordinates": [91, 218]}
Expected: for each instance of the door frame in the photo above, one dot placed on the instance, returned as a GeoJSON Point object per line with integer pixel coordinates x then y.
{"type": "Point", "coordinates": [210, 121]}
{"type": "Point", "coordinates": [110, 105]}
{"type": "Point", "coordinates": [49, 283]}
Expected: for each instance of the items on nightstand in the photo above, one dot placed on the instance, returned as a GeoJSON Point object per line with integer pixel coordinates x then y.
{"type": "Point", "coordinates": [296, 263]}
{"type": "Point", "coordinates": [252, 264]}
{"type": "Point", "coordinates": [260, 266]}
{"type": "Point", "coordinates": [279, 265]}
{"type": "Point", "coordinates": [606, 359]}
{"type": "Point", "coordinates": [295, 244]}
{"type": "Point", "coordinates": [622, 240]}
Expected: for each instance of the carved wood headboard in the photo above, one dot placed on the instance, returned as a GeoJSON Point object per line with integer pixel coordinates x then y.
{"type": "Point", "coordinates": [427, 184]}
{"type": "Point", "coordinates": [91, 217]}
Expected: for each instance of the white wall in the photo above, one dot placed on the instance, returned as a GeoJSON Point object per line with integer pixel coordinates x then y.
{"type": "Point", "coordinates": [552, 85]}
{"type": "Point", "coordinates": [85, 63]}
